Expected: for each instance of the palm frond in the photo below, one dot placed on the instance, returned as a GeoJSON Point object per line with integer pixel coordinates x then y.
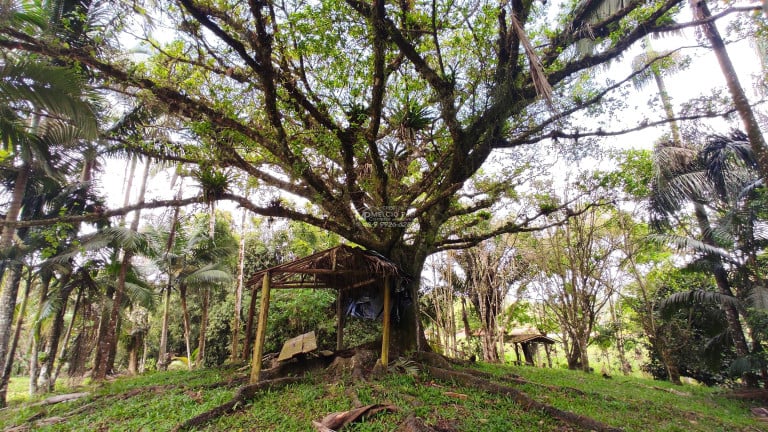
{"type": "Point", "coordinates": [747, 364]}
{"type": "Point", "coordinates": [757, 297]}
{"type": "Point", "coordinates": [208, 275]}
{"type": "Point", "coordinates": [52, 89]}
{"type": "Point", "coordinates": [688, 244]}
{"type": "Point", "coordinates": [141, 294]}
{"type": "Point", "coordinates": [687, 299]}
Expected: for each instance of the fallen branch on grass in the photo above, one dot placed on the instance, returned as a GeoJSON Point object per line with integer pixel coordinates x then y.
{"type": "Point", "coordinates": [338, 420]}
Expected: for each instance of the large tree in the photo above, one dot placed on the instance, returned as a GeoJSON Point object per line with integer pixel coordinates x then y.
{"type": "Point", "coordinates": [379, 115]}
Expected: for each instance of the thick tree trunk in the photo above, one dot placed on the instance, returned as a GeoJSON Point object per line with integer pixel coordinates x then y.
{"type": "Point", "coordinates": [35, 340]}
{"type": "Point", "coordinates": [408, 333]}
{"type": "Point", "coordinates": [576, 353]}
{"type": "Point", "coordinates": [101, 331]}
{"type": "Point", "coordinates": [101, 369]}
{"type": "Point", "coordinates": [136, 342]}
{"type": "Point", "coordinates": [756, 140]}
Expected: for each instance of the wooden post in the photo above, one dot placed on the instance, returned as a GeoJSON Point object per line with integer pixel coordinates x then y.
{"type": "Point", "coordinates": [261, 330]}
{"type": "Point", "coordinates": [339, 322]}
{"type": "Point", "coordinates": [385, 324]}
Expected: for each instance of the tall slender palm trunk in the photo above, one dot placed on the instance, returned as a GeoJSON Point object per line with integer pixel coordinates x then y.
{"type": "Point", "coordinates": [9, 284]}
{"type": "Point", "coordinates": [108, 346]}
{"type": "Point", "coordinates": [6, 377]}
{"type": "Point", "coordinates": [239, 291]}
{"type": "Point", "coordinates": [756, 139]}
{"type": "Point", "coordinates": [185, 317]}
{"type": "Point", "coordinates": [723, 285]}
{"type": "Point", "coordinates": [162, 355]}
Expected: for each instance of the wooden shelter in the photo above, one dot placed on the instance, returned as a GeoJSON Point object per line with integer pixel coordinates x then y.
{"type": "Point", "coordinates": [528, 343]}
{"type": "Point", "coordinates": [343, 268]}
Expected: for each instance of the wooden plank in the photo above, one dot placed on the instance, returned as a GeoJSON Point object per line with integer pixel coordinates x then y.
{"type": "Point", "coordinates": [261, 331]}
{"type": "Point", "coordinates": [385, 324]}
{"type": "Point", "coordinates": [301, 344]}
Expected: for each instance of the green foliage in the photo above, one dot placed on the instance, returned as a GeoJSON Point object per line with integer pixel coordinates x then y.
{"type": "Point", "coordinates": [297, 311]}
{"type": "Point", "coordinates": [214, 183]}
{"type": "Point", "coordinates": [634, 174]}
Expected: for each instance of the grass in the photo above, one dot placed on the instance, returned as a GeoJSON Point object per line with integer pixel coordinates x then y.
{"type": "Point", "coordinates": [159, 401]}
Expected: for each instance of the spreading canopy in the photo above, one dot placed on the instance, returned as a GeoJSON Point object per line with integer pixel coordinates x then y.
{"type": "Point", "coordinates": [376, 118]}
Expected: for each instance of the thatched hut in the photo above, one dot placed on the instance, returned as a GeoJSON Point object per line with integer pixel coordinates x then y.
{"type": "Point", "coordinates": [366, 283]}
{"type": "Point", "coordinates": [529, 343]}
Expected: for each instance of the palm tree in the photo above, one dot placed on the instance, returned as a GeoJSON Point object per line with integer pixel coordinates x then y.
{"type": "Point", "coordinates": [712, 179]}
{"type": "Point", "coordinates": [651, 65]}
{"type": "Point", "coordinates": [41, 107]}
{"type": "Point", "coordinates": [195, 260]}
{"type": "Point", "coordinates": [754, 134]}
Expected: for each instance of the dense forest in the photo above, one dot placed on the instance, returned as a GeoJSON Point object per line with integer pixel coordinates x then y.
{"type": "Point", "coordinates": [156, 153]}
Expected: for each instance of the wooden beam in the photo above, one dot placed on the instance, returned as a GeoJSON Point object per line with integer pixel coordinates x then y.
{"type": "Point", "coordinates": [339, 321]}
{"type": "Point", "coordinates": [261, 330]}
{"type": "Point", "coordinates": [386, 324]}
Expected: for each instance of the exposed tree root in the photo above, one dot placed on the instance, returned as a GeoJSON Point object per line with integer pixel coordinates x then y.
{"type": "Point", "coordinates": [749, 394]}
{"type": "Point", "coordinates": [517, 379]}
{"type": "Point", "coordinates": [231, 382]}
{"type": "Point", "coordinates": [414, 424]}
{"type": "Point", "coordinates": [356, 366]}
{"type": "Point", "coordinates": [295, 367]}
{"type": "Point", "coordinates": [521, 398]}
{"type": "Point", "coordinates": [238, 401]}
{"type": "Point", "coordinates": [60, 398]}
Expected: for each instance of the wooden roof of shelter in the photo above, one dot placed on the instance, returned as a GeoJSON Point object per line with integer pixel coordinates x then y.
{"type": "Point", "coordinates": [341, 268]}
{"type": "Point", "coordinates": [528, 338]}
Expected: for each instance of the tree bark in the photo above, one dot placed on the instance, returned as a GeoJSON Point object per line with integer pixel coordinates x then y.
{"type": "Point", "coordinates": [162, 356]}
{"type": "Point", "coordinates": [35, 340]}
{"type": "Point", "coordinates": [67, 337]}
{"type": "Point", "coordinates": [108, 346]}
{"type": "Point", "coordinates": [248, 339]}
{"type": "Point", "coordinates": [238, 291]}
{"type": "Point", "coordinates": [45, 381]}
{"type": "Point", "coordinates": [6, 377]}
{"type": "Point", "coordinates": [185, 317]}
{"type": "Point", "coordinates": [206, 292]}
{"type": "Point", "coordinates": [9, 284]}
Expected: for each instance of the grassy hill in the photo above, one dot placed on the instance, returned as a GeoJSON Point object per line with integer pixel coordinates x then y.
{"type": "Point", "coordinates": [477, 398]}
